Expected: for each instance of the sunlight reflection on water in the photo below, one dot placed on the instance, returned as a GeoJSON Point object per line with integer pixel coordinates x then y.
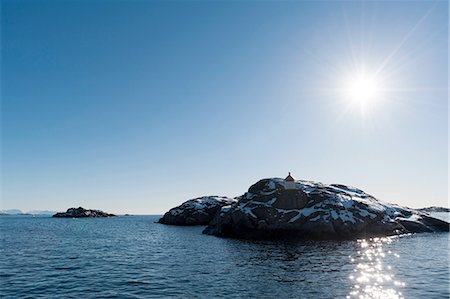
{"type": "Point", "coordinates": [372, 278]}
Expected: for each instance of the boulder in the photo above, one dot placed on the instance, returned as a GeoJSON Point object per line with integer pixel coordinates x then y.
{"type": "Point", "coordinates": [197, 211]}
{"type": "Point", "coordinates": [82, 213]}
{"type": "Point", "coordinates": [315, 211]}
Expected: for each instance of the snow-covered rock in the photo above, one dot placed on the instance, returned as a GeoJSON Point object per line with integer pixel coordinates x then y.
{"type": "Point", "coordinates": [197, 211]}
{"type": "Point", "coordinates": [82, 213]}
{"type": "Point", "coordinates": [316, 211]}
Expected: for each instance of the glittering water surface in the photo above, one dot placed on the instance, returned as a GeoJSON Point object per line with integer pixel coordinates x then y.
{"type": "Point", "coordinates": [133, 257]}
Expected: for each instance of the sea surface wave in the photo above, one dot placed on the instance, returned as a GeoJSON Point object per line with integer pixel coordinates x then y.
{"type": "Point", "coordinates": [134, 257]}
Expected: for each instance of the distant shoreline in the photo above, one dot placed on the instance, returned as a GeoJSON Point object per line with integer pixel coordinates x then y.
{"type": "Point", "coordinates": [50, 216]}
{"type": "Point", "coordinates": [50, 213]}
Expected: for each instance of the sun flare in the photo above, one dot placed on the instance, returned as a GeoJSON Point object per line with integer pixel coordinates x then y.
{"type": "Point", "coordinates": [363, 89]}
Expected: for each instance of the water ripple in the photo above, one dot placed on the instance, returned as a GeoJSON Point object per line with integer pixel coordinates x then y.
{"type": "Point", "coordinates": [133, 257]}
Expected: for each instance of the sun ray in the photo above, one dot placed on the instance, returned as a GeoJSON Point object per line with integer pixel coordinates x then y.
{"type": "Point", "coordinates": [405, 39]}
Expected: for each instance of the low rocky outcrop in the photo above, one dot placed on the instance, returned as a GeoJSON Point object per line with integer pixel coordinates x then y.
{"type": "Point", "coordinates": [197, 211]}
{"type": "Point", "coordinates": [275, 208]}
{"type": "Point", "coordinates": [82, 213]}
{"type": "Point", "coordinates": [434, 210]}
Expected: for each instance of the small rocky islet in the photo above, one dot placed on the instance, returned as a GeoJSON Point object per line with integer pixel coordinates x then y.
{"type": "Point", "coordinates": [434, 210]}
{"type": "Point", "coordinates": [197, 211]}
{"type": "Point", "coordinates": [82, 213]}
{"type": "Point", "coordinates": [277, 208]}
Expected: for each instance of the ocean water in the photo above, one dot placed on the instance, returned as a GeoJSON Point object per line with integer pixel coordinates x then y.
{"type": "Point", "coordinates": [133, 257]}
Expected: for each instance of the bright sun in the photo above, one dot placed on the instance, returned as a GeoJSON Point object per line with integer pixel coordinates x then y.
{"type": "Point", "coordinates": [363, 89]}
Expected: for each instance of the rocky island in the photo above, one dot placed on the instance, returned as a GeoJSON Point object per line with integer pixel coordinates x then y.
{"type": "Point", "coordinates": [287, 208]}
{"type": "Point", "coordinates": [82, 213]}
{"type": "Point", "coordinates": [197, 211]}
{"type": "Point", "coordinates": [284, 208]}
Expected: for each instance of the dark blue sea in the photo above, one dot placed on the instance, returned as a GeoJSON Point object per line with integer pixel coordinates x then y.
{"type": "Point", "coordinates": [134, 257]}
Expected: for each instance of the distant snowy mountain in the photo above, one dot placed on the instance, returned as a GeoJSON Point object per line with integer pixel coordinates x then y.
{"type": "Point", "coordinates": [11, 212]}
{"type": "Point", "coordinates": [33, 212]}
{"type": "Point", "coordinates": [44, 212]}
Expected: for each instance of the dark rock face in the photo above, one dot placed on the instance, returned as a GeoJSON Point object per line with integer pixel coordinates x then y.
{"type": "Point", "coordinates": [82, 213]}
{"type": "Point", "coordinates": [197, 211]}
{"type": "Point", "coordinates": [315, 211]}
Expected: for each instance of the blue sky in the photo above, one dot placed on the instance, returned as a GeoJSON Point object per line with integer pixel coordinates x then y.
{"type": "Point", "coordinates": [137, 106]}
